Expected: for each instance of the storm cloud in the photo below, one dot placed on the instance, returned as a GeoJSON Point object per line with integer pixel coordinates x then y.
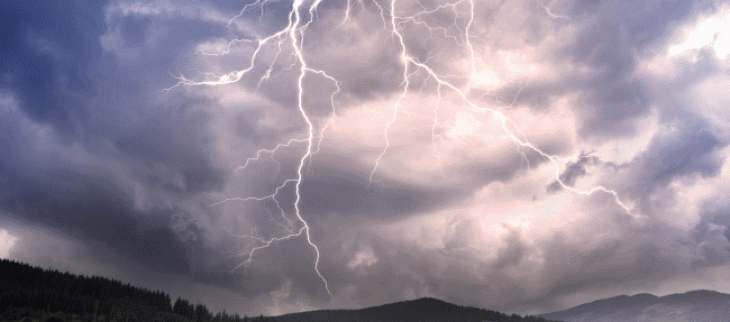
{"type": "Point", "coordinates": [275, 156]}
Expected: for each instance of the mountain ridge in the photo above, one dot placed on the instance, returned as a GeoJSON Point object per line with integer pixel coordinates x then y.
{"type": "Point", "coordinates": [694, 306]}
{"type": "Point", "coordinates": [422, 310]}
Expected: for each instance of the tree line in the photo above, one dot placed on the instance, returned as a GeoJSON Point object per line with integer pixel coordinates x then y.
{"type": "Point", "coordinates": [30, 294]}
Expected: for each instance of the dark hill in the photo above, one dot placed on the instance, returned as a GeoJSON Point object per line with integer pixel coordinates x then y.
{"type": "Point", "coordinates": [33, 294]}
{"type": "Point", "coordinates": [694, 306]}
{"type": "Point", "coordinates": [421, 310]}
{"type": "Point", "coordinates": [30, 293]}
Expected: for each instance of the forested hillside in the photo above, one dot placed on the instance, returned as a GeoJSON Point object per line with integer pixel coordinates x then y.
{"type": "Point", "coordinates": [33, 294]}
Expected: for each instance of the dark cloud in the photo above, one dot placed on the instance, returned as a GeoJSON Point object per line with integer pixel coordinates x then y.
{"type": "Point", "coordinates": [334, 184]}
{"type": "Point", "coordinates": [573, 171]}
{"type": "Point", "coordinates": [336, 187]}
{"type": "Point", "coordinates": [95, 210]}
{"type": "Point", "coordinates": [715, 220]}
{"type": "Point", "coordinates": [616, 37]}
{"type": "Point", "coordinates": [72, 154]}
{"type": "Point", "coordinates": [181, 152]}
{"type": "Point", "coordinates": [45, 59]}
{"type": "Point", "coordinates": [688, 150]}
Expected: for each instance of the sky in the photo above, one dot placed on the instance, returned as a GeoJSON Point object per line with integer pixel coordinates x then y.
{"type": "Point", "coordinates": [274, 156]}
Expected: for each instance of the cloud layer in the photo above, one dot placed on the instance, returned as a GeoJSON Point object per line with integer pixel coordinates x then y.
{"type": "Point", "coordinates": [520, 156]}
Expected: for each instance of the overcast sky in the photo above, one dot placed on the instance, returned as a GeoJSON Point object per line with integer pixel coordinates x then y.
{"type": "Point", "coordinates": [276, 156]}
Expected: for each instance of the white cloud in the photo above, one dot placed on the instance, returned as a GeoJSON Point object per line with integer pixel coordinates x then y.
{"type": "Point", "coordinates": [7, 243]}
{"type": "Point", "coordinates": [712, 30]}
{"type": "Point", "coordinates": [363, 258]}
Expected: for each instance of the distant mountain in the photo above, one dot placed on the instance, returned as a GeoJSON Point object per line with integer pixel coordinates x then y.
{"type": "Point", "coordinates": [695, 306]}
{"type": "Point", "coordinates": [421, 310]}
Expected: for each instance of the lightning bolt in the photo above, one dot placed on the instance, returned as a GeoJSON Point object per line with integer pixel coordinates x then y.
{"type": "Point", "coordinates": [507, 125]}
{"type": "Point", "coordinates": [548, 10]}
{"type": "Point", "coordinates": [294, 33]}
{"type": "Point", "coordinates": [299, 18]}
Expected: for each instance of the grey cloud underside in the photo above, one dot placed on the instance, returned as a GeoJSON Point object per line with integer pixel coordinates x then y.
{"type": "Point", "coordinates": [642, 256]}
{"type": "Point", "coordinates": [337, 184]}
{"type": "Point", "coordinates": [91, 207]}
{"type": "Point", "coordinates": [337, 187]}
